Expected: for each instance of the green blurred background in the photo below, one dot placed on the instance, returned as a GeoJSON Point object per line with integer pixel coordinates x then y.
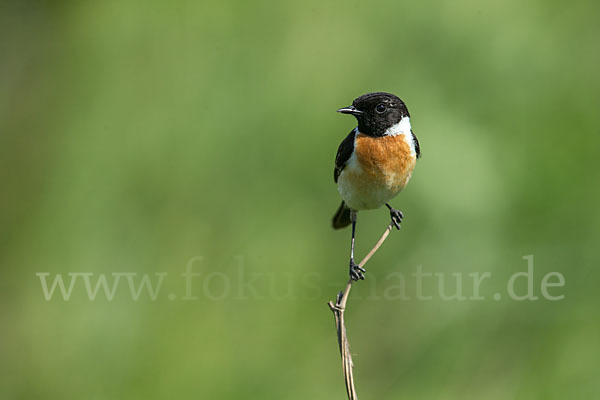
{"type": "Point", "coordinates": [135, 136]}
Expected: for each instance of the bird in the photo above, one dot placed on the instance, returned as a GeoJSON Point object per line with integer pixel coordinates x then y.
{"type": "Point", "coordinates": [374, 162]}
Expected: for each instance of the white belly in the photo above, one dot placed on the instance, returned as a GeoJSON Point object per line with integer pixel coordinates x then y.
{"type": "Point", "coordinates": [361, 192]}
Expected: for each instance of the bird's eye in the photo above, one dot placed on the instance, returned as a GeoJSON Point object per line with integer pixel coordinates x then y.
{"type": "Point", "coordinates": [380, 108]}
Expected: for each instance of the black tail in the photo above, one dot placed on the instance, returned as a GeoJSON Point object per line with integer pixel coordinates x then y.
{"type": "Point", "coordinates": [341, 219]}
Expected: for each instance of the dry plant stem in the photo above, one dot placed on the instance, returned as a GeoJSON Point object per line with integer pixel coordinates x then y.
{"type": "Point", "coordinates": [338, 309]}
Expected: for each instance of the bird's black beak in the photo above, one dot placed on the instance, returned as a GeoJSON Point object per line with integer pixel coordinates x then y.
{"type": "Point", "coordinates": [350, 110]}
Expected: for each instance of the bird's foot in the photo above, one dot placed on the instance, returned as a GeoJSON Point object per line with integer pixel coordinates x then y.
{"type": "Point", "coordinates": [356, 271]}
{"type": "Point", "coordinates": [396, 216]}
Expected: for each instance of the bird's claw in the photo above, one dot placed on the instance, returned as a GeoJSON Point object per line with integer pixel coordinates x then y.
{"type": "Point", "coordinates": [396, 216]}
{"type": "Point", "coordinates": [356, 271]}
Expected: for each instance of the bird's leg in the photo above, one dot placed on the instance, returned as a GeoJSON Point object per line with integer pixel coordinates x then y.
{"type": "Point", "coordinates": [396, 216]}
{"type": "Point", "coordinates": [356, 272]}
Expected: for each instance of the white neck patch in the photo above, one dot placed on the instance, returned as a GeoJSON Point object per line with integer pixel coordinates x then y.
{"type": "Point", "coordinates": [401, 128]}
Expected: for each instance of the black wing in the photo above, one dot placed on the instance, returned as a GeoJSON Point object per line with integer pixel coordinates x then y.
{"type": "Point", "coordinates": [416, 142]}
{"type": "Point", "coordinates": [343, 154]}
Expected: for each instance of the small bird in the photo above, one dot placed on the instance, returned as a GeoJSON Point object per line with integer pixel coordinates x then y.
{"type": "Point", "coordinates": [374, 162]}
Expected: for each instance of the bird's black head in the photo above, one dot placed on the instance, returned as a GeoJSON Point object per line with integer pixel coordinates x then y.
{"type": "Point", "coordinates": [376, 112]}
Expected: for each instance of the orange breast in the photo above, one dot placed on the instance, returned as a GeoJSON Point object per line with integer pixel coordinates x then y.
{"type": "Point", "coordinates": [386, 160]}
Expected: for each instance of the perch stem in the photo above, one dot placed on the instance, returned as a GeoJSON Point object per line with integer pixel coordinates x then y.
{"type": "Point", "coordinates": [338, 309]}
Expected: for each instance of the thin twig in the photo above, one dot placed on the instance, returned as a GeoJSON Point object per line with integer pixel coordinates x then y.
{"type": "Point", "coordinates": [338, 309]}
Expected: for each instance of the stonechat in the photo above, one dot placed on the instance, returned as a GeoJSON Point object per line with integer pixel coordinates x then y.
{"type": "Point", "coordinates": [374, 162]}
